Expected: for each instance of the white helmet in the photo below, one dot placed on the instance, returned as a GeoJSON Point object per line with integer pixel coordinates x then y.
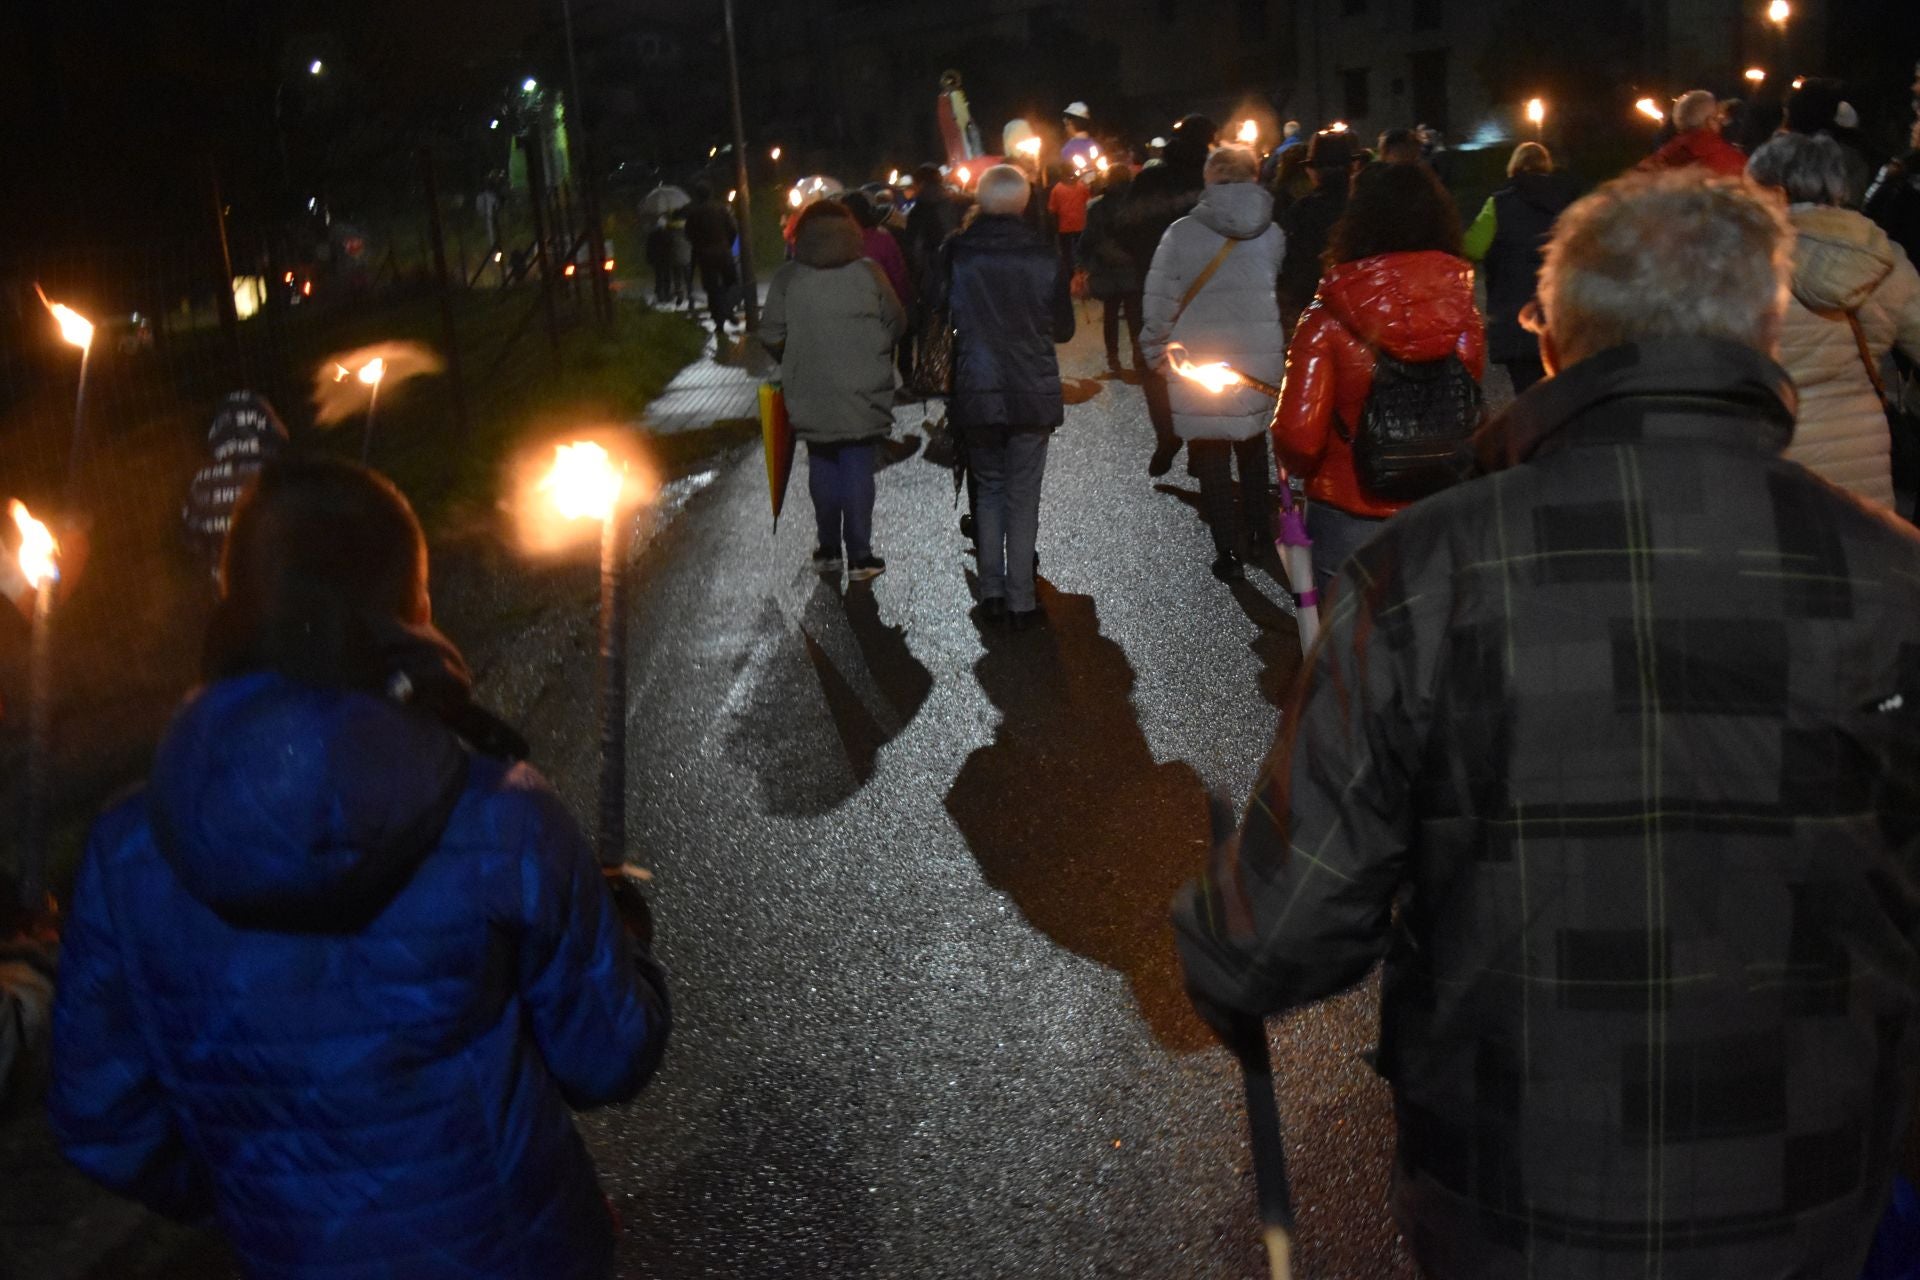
{"type": "Point", "coordinates": [1078, 110]}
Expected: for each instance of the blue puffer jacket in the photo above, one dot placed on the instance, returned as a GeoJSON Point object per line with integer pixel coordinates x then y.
{"type": "Point", "coordinates": [1010, 303]}
{"type": "Point", "coordinates": [338, 982]}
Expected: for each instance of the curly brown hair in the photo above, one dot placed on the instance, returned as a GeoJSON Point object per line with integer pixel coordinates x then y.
{"type": "Point", "coordinates": [1395, 208]}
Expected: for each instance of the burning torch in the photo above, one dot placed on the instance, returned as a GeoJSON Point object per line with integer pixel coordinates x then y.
{"type": "Point", "coordinates": [39, 563]}
{"type": "Point", "coordinates": [75, 330]}
{"type": "Point", "coordinates": [584, 482]}
{"type": "Point", "coordinates": [1295, 545]}
{"type": "Point", "coordinates": [367, 375]}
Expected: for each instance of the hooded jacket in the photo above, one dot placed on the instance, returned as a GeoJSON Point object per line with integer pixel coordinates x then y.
{"type": "Point", "coordinates": [1601, 754]}
{"type": "Point", "coordinates": [338, 981]}
{"type": "Point", "coordinates": [1235, 317]}
{"type": "Point", "coordinates": [832, 318]}
{"type": "Point", "coordinates": [1009, 304]}
{"type": "Point", "coordinates": [1508, 239]}
{"type": "Point", "coordinates": [1843, 263]}
{"type": "Point", "coordinates": [1111, 270]}
{"type": "Point", "coordinates": [1416, 307]}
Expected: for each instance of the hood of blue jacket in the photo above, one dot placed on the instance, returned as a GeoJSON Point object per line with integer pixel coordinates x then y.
{"type": "Point", "coordinates": [1238, 210]}
{"type": "Point", "coordinates": [281, 805]}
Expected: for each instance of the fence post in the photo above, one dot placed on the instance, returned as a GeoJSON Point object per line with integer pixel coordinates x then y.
{"type": "Point", "coordinates": [536, 147]}
{"type": "Point", "coordinates": [438, 241]}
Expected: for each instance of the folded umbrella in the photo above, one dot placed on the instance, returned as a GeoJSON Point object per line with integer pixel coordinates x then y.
{"type": "Point", "coordinates": [776, 436]}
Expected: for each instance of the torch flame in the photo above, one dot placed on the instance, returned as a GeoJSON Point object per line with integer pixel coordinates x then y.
{"type": "Point", "coordinates": [372, 371]}
{"type": "Point", "coordinates": [1249, 131]}
{"type": "Point", "coordinates": [1650, 109]}
{"type": "Point", "coordinates": [1028, 146]}
{"type": "Point", "coordinates": [1079, 164]}
{"type": "Point", "coordinates": [1101, 164]}
{"type": "Point", "coordinates": [38, 554]}
{"type": "Point", "coordinates": [75, 329]}
{"type": "Point", "coordinates": [1536, 110]}
{"type": "Point", "coordinates": [965, 176]}
{"type": "Point", "coordinates": [583, 481]}
{"type": "Point", "coordinates": [1215, 377]}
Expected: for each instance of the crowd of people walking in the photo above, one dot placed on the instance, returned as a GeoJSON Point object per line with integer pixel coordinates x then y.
{"type": "Point", "coordinates": [1609, 751]}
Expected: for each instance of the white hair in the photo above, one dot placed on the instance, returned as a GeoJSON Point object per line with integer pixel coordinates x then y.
{"type": "Point", "coordinates": [1290, 129]}
{"type": "Point", "coordinates": [1003, 189]}
{"type": "Point", "coordinates": [1655, 256]}
{"type": "Point", "coordinates": [1231, 164]}
{"type": "Point", "coordinates": [1810, 168]}
{"type": "Point", "coordinates": [1694, 109]}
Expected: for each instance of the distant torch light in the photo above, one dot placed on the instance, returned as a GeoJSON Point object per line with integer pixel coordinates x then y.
{"type": "Point", "coordinates": [306, 289]}
{"type": "Point", "coordinates": [494, 123]}
{"type": "Point", "coordinates": [893, 177]}
{"type": "Point", "coordinates": [1338, 126]}
{"type": "Point", "coordinates": [1249, 131]}
{"type": "Point", "coordinates": [498, 255]}
{"type": "Point", "coordinates": [1102, 164]}
{"type": "Point", "coordinates": [1798, 83]}
{"type": "Point", "coordinates": [1536, 112]}
{"type": "Point", "coordinates": [733, 195]}
{"type": "Point", "coordinates": [966, 176]}
{"type": "Point", "coordinates": [712, 152]}
{"type": "Point", "coordinates": [1778, 12]}
{"type": "Point", "coordinates": [1755, 75]}
{"type": "Point", "coordinates": [567, 270]}
{"type": "Point", "coordinates": [775, 153]}
{"type": "Point", "coordinates": [795, 199]}
{"type": "Point", "coordinates": [607, 266]}
{"type": "Point", "coordinates": [1650, 109]}
{"type": "Point", "coordinates": [529, 85]}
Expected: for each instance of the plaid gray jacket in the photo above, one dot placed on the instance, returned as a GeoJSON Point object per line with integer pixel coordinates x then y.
{"type": "Point", "coordinates": [1614, 756]}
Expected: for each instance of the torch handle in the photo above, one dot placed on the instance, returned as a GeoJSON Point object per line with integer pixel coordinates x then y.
{"type": "Point", "coordinates": [33, 851]}
{"type": "Point", "coordinates": [611, 844]}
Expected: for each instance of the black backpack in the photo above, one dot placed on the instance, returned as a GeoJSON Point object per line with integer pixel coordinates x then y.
{"type": "Point", "coordinates": [1415, 434]}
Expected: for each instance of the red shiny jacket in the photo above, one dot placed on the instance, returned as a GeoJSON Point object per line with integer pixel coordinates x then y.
{"type": "Point", "coordinates": [1703, 147]}
{"type": "Point", "coordinates": [1416, 307]}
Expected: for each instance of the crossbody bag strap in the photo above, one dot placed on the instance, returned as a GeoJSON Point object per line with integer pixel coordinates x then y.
{"type": "Point", "coordinates": [1200, 282]}
{"type": "Point", "coordinates": [1866, 357]}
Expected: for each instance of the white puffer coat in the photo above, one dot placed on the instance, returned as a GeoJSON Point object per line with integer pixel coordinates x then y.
{"type": "Point", "coordinates": [1844, 263]}
{"type": "Point", "coordinates": [1235, 317]}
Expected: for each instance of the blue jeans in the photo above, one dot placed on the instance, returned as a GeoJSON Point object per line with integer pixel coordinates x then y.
{"type": "Point", "coordinates": [1009, 469]}
{"type": "Point", "coordinates": [840, 481]}
{"type": "Point", "coordinates": [1336, 536]}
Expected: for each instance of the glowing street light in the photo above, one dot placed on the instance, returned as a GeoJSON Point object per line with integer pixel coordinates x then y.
{"type": "Point", "coordinates": [494, 123]}
{"type": "Point", "coordinates": [1755, 75]}
{"type": "Point", "coordinates": [1249, 131]}
{"type": "Point", "coordinates": [39, 563]}
{"type": "Point", "coordinates": [1778, 12]}
{"type": "Point", "coordinates": [1651, 110]}
{"type": "Point", "coordinates": [315, 67]}
{"type": "Point", "coordinates": [775, 153]}
{"type": "Point", "coordinates": [529, 85]}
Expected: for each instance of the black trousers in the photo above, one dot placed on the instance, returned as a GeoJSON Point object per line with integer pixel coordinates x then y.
{"type": "Point", "coordinates": [719, 279]}
{"type": "Point", "coordinates": [1111, 310]}
{"type": "Point", "coordinates": [1160, 411]}
{"type": "Point", "coordinates": [1210, 462]}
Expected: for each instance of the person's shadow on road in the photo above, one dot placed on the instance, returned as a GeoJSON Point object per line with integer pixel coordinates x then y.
{"type": "Point", "coordinates": [836, 688]}
{"type": "Point", "coordinates": [1069, 814]}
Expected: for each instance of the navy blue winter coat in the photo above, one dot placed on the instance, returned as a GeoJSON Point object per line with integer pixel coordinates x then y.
{"type": "Point", "coordinates": [1009, 302]}
{"type": "Point", "coordinates": [338, 982]}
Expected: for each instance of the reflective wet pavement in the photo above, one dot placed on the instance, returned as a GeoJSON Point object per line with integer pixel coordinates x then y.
{"type": "Point", "coordinates": [912, 882]}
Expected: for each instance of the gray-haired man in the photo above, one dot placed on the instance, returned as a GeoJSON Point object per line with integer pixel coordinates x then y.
{"type": "Point", "coordinates": [1614, 755]}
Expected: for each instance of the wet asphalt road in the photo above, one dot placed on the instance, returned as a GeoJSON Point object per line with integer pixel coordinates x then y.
{"type": "Point", "coordinates": [912, 882]}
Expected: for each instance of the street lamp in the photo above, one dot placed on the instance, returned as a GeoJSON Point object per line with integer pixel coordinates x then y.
{"type": "Point", "coordinates": [315, 67]}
